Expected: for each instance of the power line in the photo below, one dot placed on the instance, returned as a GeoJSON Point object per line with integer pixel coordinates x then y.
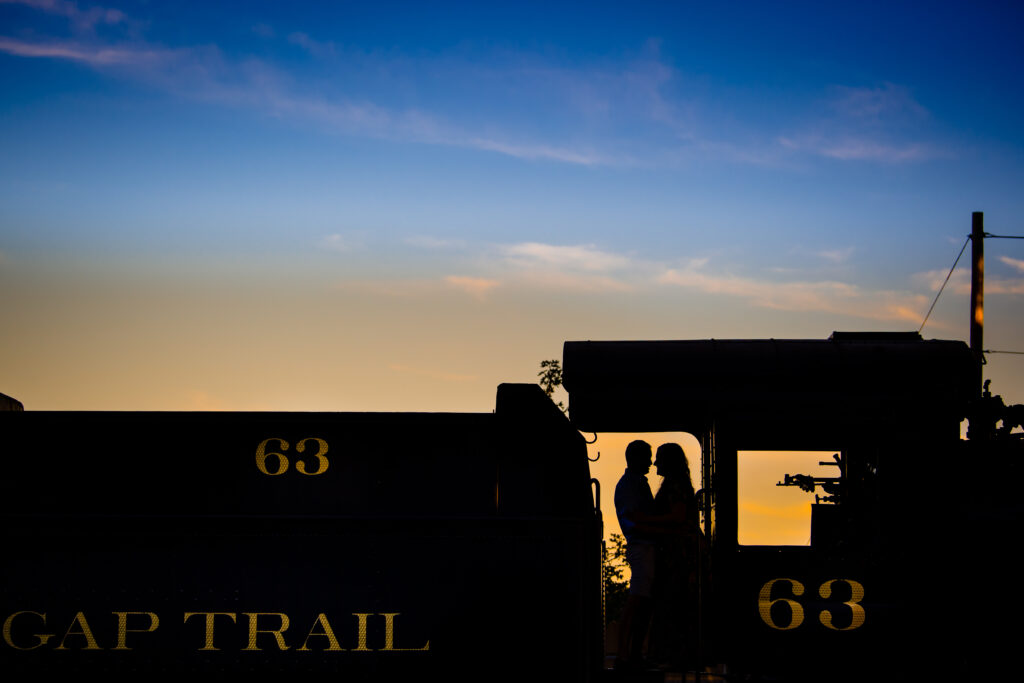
{"type": "Point", "coordinates": [1016, 353]}
{"type": "Point", "coordinates": [936, 299]}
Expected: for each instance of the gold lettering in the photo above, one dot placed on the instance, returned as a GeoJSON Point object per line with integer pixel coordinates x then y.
{"type": "Point", "coordinates": [90, 641]}
{"type": "Point", "coordinates": [262, 453]}
{"type": "Point", "coordinates": [208, 644]}
{"type": "Point", "coordinates": [389, 635]}
{"type": "Point", "coordinates": [856, 595]}
{"type": "Point", "coordinates": [123, 630]}
{"type": "Point", "coordinates": [320, 455]}
{"type": "Point", "coordinates": [42, 637]}
{"type": "Point", "coordinates": [327, 632]}
{"type": "Point", "coordinates": [278, 632]}
{"type": "Point", "coordinates": [361, 643]}
{"type": "Point", "coordinates": [765, 602]}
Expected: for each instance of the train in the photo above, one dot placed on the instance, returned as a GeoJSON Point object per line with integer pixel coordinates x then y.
{"type": "Point", "coordinates": [470, 546]}
{"type": "Point", "coordinates": [910, 535]}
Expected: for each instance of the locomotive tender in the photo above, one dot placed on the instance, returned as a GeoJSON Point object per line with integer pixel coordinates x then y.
{"type": "Point", "coordinates": [371, 546]}
{"type": "Point", "coordinates": [383, 546]}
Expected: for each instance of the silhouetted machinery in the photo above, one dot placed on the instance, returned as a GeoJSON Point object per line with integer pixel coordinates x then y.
{"type": "Point", "coordinates": [910, 545]}
{"type": "Point", "coordinates": [468, 546]}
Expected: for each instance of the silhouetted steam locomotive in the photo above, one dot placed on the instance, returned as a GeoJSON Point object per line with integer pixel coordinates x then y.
{"type": "Point", "coordinates": [910, 542]}
{"type": "Point", "coordinates": [469, 546]}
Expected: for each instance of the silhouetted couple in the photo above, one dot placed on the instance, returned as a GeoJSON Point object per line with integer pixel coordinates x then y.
{"type": "Point", "coordinates": [661, 547]}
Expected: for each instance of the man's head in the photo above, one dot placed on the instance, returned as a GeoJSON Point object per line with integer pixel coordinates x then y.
{"type": "Point", "coordinates": [638, 456]}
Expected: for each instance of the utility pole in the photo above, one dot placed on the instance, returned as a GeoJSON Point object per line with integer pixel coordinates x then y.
{"type": "Point", "coordinates": [977, 290]}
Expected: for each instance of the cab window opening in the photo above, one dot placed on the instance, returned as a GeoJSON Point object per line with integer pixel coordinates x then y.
{"type": "Point", "coordinates": [608, 468]}
{"type": "Point", "coordinates": [776, 491]}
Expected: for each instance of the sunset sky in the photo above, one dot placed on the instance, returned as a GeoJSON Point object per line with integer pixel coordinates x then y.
{"type": "Point", "coordinates": [396, 206]}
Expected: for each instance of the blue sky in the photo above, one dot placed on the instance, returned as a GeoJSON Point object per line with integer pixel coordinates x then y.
{"type": "Point", "coordinates": [484, 181]}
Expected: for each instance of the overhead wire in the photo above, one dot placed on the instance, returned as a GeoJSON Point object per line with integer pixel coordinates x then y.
{"type": "Point", "coordinates": [950, 273]}
{"type": "Point", "coordinates": [939, 293]}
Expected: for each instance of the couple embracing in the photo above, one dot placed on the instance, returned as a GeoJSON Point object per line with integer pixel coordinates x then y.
{"type": "Point", "coordinates": [662, 544]}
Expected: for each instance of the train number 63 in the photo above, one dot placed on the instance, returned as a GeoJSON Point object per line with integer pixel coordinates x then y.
{"type": "Point", "coordinates": [765, 603]}
{"type": "Point", "coordinates": [282, 460]}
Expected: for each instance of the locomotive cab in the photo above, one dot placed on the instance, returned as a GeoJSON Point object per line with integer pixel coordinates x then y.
{"type": "Point", "coordinates": [881, 412]}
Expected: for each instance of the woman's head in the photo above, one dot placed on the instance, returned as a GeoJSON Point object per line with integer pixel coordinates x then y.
{"type": "Point", "coordinates": [670, 460]}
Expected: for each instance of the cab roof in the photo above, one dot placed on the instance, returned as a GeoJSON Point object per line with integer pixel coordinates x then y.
{"type": "Point", "coordinates": [687, 385]}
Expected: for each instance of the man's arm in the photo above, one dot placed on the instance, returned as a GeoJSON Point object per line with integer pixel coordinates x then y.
{"type": "Point", "coordinates": [668, 523]}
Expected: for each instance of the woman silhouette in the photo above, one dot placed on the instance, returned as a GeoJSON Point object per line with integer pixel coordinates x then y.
{"type": "Point", "coordinates": [673, 629]}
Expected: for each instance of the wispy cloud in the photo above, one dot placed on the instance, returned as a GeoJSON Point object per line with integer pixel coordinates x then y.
{"type": "Point", "coordinates": [1004, 285]}
{"type": "Point", "coordinates": [822, 296]}
{"type": "Point", "coordinates": [264, 31]}
{"type": "Point", "coordinates": [572, 114]}
{"type": "Point", "coordinates": [876, 104]}
{"type": "Point", "coordinates": [848, 147]}
{"type": "Point", "coordinates": [577, 268]}
{"type": "Point", "coordinates": [522, 266]}
{"type": "Point", "coordinates": [1013, 262]}
{"type": "Point", "coordinates": [82, 20]}
{"type": "Point", "coordinates": [206, 73]}
{"type": "Point", "coordinates": [478, 287]}
{"type": "Point", "coordinates": [636, 110]}
{"type": "Point", "coordinates": [203, 73]}
{"type": "Point", "coordinates": [585, 257]}
{"type": "Point", "coordinates": [314, 47]}
{"type": "Point", "coordinates": [531, 151]}
{"type": "Point", "coordinates": [875, 124]}
{"type": "Point", "coordinates": [336, 242]}
{"type": "Point", "coordinates": [588, 269]}
{"type": "Point", "coordinates": [89, 54]}
{"type": "Point", "coordinates": [960, 281]}
{"type": "Point", "coordinates": [836, 255]}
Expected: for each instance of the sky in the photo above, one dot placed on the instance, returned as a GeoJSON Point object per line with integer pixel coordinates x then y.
{"type": "Point", "coordinates": [397, 206]}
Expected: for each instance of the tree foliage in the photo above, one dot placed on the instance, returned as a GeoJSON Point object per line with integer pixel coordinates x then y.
{"type": "Point", "coordinates": [551, 378]}
{"type": "Point", "coordinates": [616, 586]}
{"type": "Point", "coordinates": [613, 570]}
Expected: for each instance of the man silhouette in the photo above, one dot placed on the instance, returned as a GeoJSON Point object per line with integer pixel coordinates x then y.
{"type": "Point", "coordinates": [634, 504]}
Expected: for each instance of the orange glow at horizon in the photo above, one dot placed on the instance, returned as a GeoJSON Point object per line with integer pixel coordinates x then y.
{"type": "Point", "coordinates": [612, 463]}
{"type": "Point", "coordinates": [777, 515]}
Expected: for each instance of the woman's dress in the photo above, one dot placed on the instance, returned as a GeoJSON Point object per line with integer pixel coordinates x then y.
{"type": "Point", "coordinates": [673, 627]}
